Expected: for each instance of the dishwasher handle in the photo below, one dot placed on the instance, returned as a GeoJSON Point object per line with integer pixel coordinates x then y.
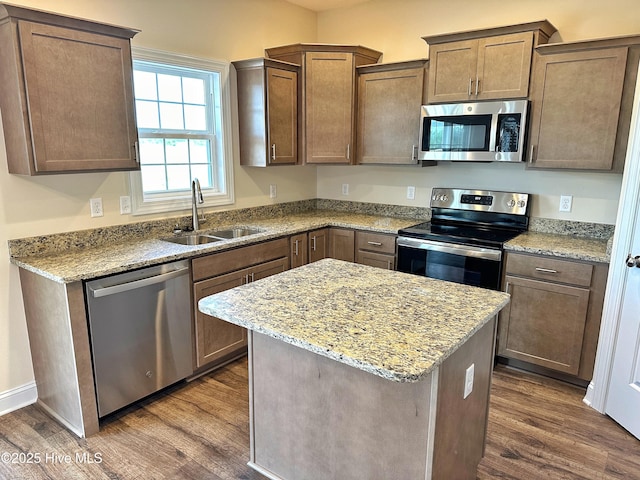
{"type": "Point", "coordinates": [143, 282]}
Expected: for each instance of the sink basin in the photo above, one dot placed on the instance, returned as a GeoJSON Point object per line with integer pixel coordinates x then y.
{"type": "Point", "coordinates": [234, 232]}
{"type": "Point", "coordinates": [193, 239]}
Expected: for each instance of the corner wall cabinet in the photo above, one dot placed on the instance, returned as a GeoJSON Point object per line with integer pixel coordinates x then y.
{"type": "Point", "coordinates": [217, 341]}
{"type": "Point", "coordinates": [67, 93]}
{"type": "Point", "coordinates": [389, 100]}
{"type": "Point", "coordinates": [483, 64]}
{"type": "Point", "coordinates": [267, 112]}
{"type": "Point", "coordinates": [581, 102]}
{"type": "Point", "coordinates": [553, 319]}
{"type": "Point", "coordinates": [328, 97]}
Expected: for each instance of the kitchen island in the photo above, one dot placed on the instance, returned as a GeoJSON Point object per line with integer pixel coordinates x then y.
{"type": "Point", "coordinates": [358, 372]}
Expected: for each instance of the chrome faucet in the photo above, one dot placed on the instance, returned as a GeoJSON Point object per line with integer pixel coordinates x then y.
{"type": "Point", "coordinates": [196, 197]}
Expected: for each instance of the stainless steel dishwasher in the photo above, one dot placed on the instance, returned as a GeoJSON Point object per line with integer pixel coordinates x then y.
{"type": "Point", "coordinates": [140, 329]}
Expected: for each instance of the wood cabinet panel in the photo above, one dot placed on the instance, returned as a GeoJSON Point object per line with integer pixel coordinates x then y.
{"type": "Point", "coordinates": [67, 95]}
{"type": "Point", "coordinates": [389, 100]}
{"type": "Point", "coordinates": [318, 244]}
{"type": "Point", "coordinates": [546, 323]}
{"type": "Point", "coordinates": [267, 112]}
{"type": "Point", "coordinates": [452, 68]}
{"type": "Point", "coordinates": [373, 259]}
{"type": "Point", "coordinates": [549, 269]}
{"type": "Point", "coordinates": [299, 250]}
{"type": "Point", "coordinates": [342, 244]}
{"type": "Point", "coordinates": [376, 242]}
{"type": "Point", "coordinates": [576, 103]}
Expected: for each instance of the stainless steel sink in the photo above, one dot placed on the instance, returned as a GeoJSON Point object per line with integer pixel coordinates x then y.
{"type": "Point", "coordinates": [193, 239]}
{"type": "Point", "coordinates": [234, 232]}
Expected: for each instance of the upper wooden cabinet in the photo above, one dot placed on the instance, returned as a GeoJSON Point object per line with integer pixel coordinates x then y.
{"type": "Point", "coordinates": [267, 112]}
{"type": "Point", "coordinates": [67, 93]}
{"type": "Point", "coordinates": [483, 64]}
{"type": "Point", "coordinates": [582, 95]}
{"type": "Point", "coordinates": [328, 97]}
{"type": "Point", "coordinates": [389, 100]}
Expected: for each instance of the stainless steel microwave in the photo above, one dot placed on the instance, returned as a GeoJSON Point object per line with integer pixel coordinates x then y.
{"type": "Point", "coordinates": [474, 132]}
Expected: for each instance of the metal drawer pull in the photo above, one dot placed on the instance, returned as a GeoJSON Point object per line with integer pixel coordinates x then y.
{"type": "Point", "coordinates": [273, 152]}
{"type": "Point", "coordinates": [545, 270]}
{"type": "Point", "coordinates": [296, 250]}
{"type": "Point", "coordinates": [377, 244]}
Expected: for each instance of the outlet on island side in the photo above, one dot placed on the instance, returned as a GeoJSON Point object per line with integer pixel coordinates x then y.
{"type": "Point", "coordinates": [468, 380]}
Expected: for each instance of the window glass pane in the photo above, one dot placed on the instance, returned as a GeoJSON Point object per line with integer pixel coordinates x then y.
{"type": "Point", "coordinates": [178, 177]}
{"type": "Point", "coordinates": [151, 150]}
{"type": "Point", "coordinates": [203, 174]}
{"type": "Point", "coordinates": [177, 150]}
{"type": "Point", "coordinates": [153, 178]}
{"type": "Point", "coordinates": [199, 151]}
{"type": "Point", "coordinates": [169, 88]}
{"type": "Point", "coordinates": [145, 85]}
{"type": "Point", "coordinates": [171, 116]}
{"type": "Point", "coordinates": [195, 117]}
{"type": "Point", "coordinates": [147, 114]}
{"type": "Point", "coordinates": [193, 90]}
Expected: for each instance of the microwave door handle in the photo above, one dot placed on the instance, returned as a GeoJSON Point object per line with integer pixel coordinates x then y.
{"type": "Point", "coordinates": [493, 140]}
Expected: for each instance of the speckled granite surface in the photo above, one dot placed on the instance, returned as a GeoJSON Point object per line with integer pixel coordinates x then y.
{"type": "Point", "coordinates": [564, 246]}
{"type": "Point", "coordinates": [394, 325]}
{"type": "Point", "coordinates": [82, 260]}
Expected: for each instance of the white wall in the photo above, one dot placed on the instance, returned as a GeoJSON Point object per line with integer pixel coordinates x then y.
{"type": "Point", "coordinates": [396, 28]}
{"type": "Point", "coordinates": [218, 29]}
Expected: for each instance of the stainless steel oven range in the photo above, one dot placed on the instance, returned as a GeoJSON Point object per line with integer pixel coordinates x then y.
{"type": "Point", "coordinates": [464, 240]}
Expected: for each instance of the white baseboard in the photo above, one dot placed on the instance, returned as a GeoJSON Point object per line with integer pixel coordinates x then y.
{"type": "Point", "coordinates": [18, 397]}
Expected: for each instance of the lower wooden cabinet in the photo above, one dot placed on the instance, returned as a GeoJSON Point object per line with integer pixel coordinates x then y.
{"type": "Point", "coordinates": [342, 244]}
{"type": "Point", "coordinates": [318, 244]}
{"type": "Point", "coordinates": [553, 318]}
{"type": "Point", "coordinates": [299, 252]}
{"type": "Point", "coordinates": [216, 340]}
{"type": "Point", "coordinates": [376, 249]}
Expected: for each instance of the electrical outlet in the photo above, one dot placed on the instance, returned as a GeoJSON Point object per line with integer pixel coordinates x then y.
{"type": "Point", "coordinates": [125, 205]}
{"type": "Point", "coordinates": [411, 193]}
{"type": "Point", "coordinates": [345, 189]}
{"type": "Point", "coordinates": [468, 380]}
{"type": "Point", "coordinates": [273, 191]}
{"type": "Point", "coordinates": [96, 207]}
{"type": "Point", "coordinates": [565, 203]}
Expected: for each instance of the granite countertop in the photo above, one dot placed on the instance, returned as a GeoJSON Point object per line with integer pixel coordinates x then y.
{"type": "Point", "coordinates": [563, 246]}
{"type": "Point", "coordinates": [129, 252]}
{"type": "Point", "coordinates": [395, 325]}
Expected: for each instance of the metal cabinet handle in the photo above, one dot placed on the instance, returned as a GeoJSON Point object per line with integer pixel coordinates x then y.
{"type": "Point", "coordinates": [470, 84]}
{"type": "Point", "coordinates": [348, 151]}
{"type": "Point", "coordinates": [531, 152]}
{"type": "Point", "coordinates": [252, 276]}
{"type": "Point", "coordinates": [273, 152]}
{"type": "Point", "coordinates": [546, 270]}
{"type": "Point", "coordinates": [477, 85]}
{"type": "Point", "coordinates": [136, 151]}
{"type": "Point", "coordinates": [376, 244]}
{"type": "Point", "coordinates": [414, 152]}
{"type": "Point", "coordinates": [633, 261]}
{"type": "Point", "coordinates": [295, 251]}
{"type": "Point", "coordinates": [313, 243]}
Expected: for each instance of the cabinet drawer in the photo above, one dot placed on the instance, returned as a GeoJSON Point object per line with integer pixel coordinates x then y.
{"type": "Point", "coordinates": [380, 260]}
{"type": "Point", "coordinates": [376, 242]}
{"type": "Point", "coordinates": [549, 269]}
{"type": "Point", "coordinates": [230, 260]}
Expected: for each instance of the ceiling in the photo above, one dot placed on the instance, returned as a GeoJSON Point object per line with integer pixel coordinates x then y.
{"type": "Point", "coordinates": [321, 5]}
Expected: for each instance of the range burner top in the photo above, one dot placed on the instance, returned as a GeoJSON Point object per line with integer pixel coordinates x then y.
{"type": "Point", "coordinates": [473, 217]}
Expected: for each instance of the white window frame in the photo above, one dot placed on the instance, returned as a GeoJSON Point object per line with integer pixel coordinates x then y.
{"type": "Point", "coordinates": [142, 204]}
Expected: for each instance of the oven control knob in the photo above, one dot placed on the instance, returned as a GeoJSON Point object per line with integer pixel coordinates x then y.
{"type": "Point", "coordinates": [521, 203]}
{"type": "Point", "coordinates": [444, 198]}
{"type": "Point", "coordinates": [511, 203]}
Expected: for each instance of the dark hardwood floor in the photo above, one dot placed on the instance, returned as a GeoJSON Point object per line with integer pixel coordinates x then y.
{"type": "Point", "coordinates": [538, 428]}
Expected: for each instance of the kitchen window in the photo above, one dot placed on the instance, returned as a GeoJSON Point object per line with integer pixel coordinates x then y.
{"type": "Point", "coordinates": [183, 118]}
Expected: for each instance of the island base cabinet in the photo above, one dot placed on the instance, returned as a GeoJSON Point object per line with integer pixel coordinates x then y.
{"type": "Point", "coordinates": [316, 418]}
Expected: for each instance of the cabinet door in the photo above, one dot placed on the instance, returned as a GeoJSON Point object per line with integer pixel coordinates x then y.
{"type": "Point", "coordinates": [298, 251]}
{"type": "Point", "coordinates": [79, 98]}
{"type": "Point", "coordinates": [544, 323]}
{"type": "Point", "coordinates": [329, 87]}
{"type": "Point", "coordinates": [282, 114]}
{"type": "Point", "coordinates": [575, 108]}
{"type": "Point", "coordinates": [216, 338]}
{"type": "Point", "coordinates": [267, 269]}
{"type": "Point", "coordinates": [452, 71]}
{"type": "Point", "coordinates": [373, 259]}
{"type": "Point", "coordinates": [342, 244]}
{"type": "Point", "coordinates": [504, 66]}
{"type": "Point", "coordinates": [388, 116]}
{"type": "Point", "coordinates": [318, 244]}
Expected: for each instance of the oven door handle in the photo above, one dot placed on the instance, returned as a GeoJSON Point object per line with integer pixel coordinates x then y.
{"type": "Point", "coordinates": [452, 248]}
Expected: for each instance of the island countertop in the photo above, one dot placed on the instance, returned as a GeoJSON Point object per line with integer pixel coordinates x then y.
{"type": "Point", "coordinates": [395, 325]}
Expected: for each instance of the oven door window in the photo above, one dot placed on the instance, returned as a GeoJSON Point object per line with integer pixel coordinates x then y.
{"type": "Point", "coordinates": [452, 268]}
{"type": "Point", "coordinates": [461, 133]}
